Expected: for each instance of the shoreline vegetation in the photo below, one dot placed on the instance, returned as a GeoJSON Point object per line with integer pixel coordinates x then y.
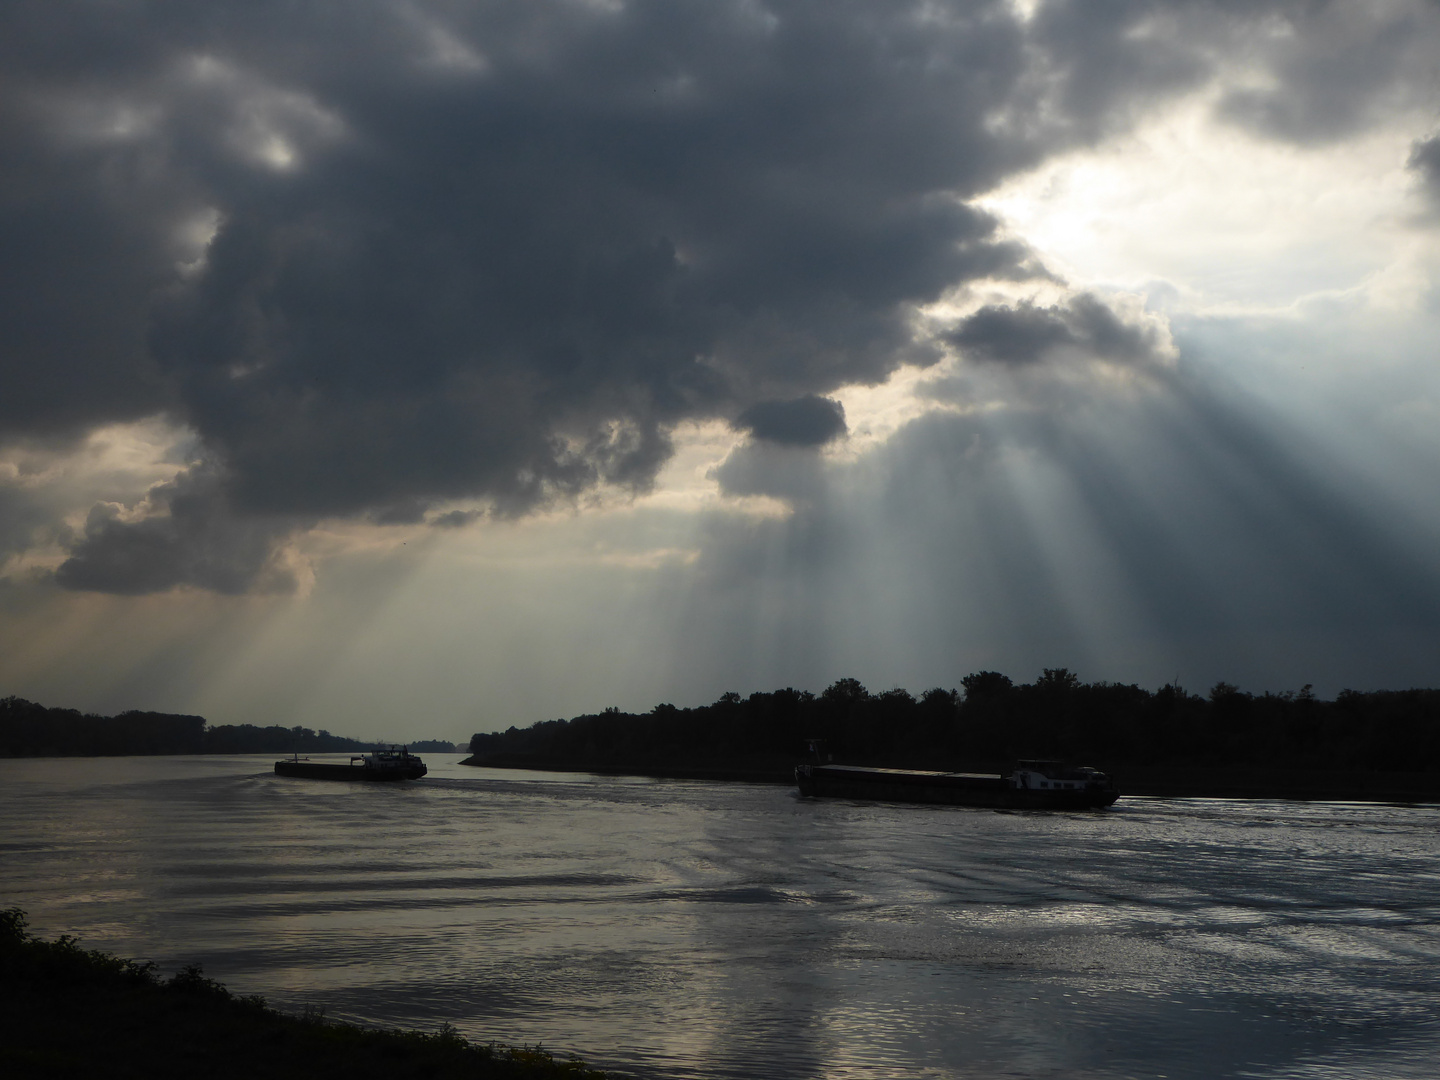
{"type": "Point", "coordinates": [1381, 746]}
{"type": "Point", "coordinates": [31, 730]}
{"type": "Point", "coordinates": [75, 1012]}
{"type": "Point", "coordinates": [1376, 746]}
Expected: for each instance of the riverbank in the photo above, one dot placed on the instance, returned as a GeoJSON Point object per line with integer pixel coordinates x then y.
{"type": "Point", "coordinates": [1144, 780]}
{"type": "Point", "coordinates": [72, 1012]}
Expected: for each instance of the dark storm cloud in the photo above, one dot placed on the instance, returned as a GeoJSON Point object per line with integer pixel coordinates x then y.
{"type": "Point", "coordinates": [194, 539]}
{"type": "Point", "coordinates": [1334, 67]}
{"type": "Point", "coordinates": [806, 421]}
{"type": "Point", "coordinates": [1027, 333]}
{"type": "Point", "coordinates": [493, 252]}
{"type": "Point", "coordinates": [497, 251]}
{"type": "Point", "coordinates": [1425, 162]}
{"type": "Point", "coordinates": [79, 264]}
{"type": "Point", "coordinates": [1309, 72]}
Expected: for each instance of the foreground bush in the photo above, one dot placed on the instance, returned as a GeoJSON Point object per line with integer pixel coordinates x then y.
{"type": "Point", "coordinates": [72, 1012]}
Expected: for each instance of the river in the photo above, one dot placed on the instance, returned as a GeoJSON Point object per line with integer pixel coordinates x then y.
{"type": "Point", "coordinates": [678, 929]}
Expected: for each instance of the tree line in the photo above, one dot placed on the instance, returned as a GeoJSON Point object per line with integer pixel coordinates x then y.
{"type": "Point", "coordinates": [31, 730]}
{"type": "Point", "coordinates": [989, 721]}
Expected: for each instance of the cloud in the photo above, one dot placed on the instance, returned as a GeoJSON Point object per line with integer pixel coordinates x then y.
{"type": "Point", "coordinates": [1026, 333]}
{"type": "Point", "coordinates": [373, 282]}
{"type": "Point", "coordinates": [185, 534]}
{"type": "Point", "coordinates": [455, 519]}
{"type": "Point", "coordinates": [778, 461]}
{"type": "Point", "coordinates": [804, 421]}
{"type": "Point", "coordinates": [411, 253]}
{"type": "Point", "coordinates": [1425, 162]}
{"type": "Point", "coordinates": [1325, 71]}
{"type": "Point", "coordinates": [81, 262]}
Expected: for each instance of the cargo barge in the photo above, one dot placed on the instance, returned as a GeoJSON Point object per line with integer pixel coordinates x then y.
{"type": "Point", "coordinates": [396, 763]}
{"type": "Point", "coordinates": [1033, 785]}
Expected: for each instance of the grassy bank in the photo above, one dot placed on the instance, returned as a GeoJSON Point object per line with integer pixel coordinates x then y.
{"type": "Point", "coordinates": [74, 1012]}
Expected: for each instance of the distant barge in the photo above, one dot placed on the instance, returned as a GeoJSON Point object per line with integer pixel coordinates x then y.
{"type": "Point", "coordinates": [392, 764]}
{"type": "Point", "coordinates": [1034, 785]}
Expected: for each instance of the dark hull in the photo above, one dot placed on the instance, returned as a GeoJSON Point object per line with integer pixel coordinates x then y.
{"type": "Point", "coordinates": [946, 789]}
{"type": "Point", "coordinates": [320, 770]}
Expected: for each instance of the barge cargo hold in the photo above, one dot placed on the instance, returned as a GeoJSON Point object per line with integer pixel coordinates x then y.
{"type": "Point", "coordinates": [1034, 785]}
{"type": "Point", "coordinates": [392, 764]}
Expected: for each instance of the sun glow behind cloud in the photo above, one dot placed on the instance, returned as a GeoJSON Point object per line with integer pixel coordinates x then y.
{"type": "Point", "coordinates": [1232, 223]}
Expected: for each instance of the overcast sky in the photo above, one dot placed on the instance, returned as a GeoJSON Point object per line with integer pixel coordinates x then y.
{"type": "Point", "coordinates": [418, 368]}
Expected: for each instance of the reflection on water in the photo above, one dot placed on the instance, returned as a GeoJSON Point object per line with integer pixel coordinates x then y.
{"type": "Point", "coordinates": [682, 929]}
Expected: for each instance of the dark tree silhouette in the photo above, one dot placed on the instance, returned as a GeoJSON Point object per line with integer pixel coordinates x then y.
{"type": "Point", "coordinates": [31, 730]}
{"type": "Point", "coordinates": [994, 721]}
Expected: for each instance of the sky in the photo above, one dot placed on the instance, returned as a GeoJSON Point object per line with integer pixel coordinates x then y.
{"type": "Point", "coordinates": [412, 369]}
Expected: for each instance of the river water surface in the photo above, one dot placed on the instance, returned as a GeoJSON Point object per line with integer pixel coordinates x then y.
{"type": "Point", "coordinates": [675, 929]}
